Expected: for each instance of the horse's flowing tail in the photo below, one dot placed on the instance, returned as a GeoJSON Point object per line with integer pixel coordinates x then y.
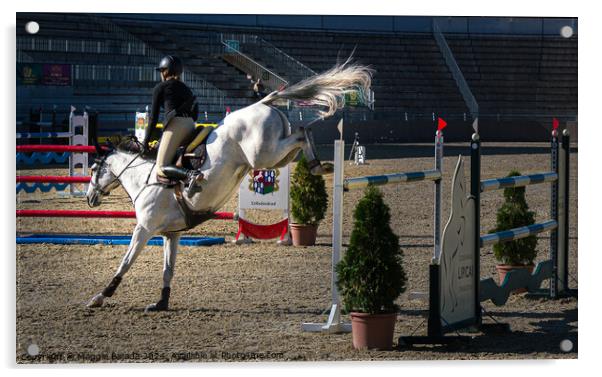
{"type": "Point", "coordinates": [328, 88]}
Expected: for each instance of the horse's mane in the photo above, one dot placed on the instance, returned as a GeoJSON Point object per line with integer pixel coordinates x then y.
{"type": "Point", "coordinates": [130, 145]}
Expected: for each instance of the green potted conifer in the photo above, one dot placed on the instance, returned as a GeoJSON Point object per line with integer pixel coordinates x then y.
{"type": "Point", "coordinates": [370, 275]}
{"type": "Point", "coordinates": [514, 213]}
{"type": "Point", "coordinates": [308, 204]}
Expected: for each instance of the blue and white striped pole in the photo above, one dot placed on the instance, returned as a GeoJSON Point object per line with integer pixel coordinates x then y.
{"type": "Point", "coordinates": [518, 181]}
{"type": "Point", "coordinates": [386, 179]}
{"type": "Point", "coordinates": [518, 233]}
{"type": "Point", "coordinates": [32, 135]}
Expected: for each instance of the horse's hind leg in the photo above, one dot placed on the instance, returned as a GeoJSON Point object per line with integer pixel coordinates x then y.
{"type": "Point", "coordinates": [288, 158]}
{"type": "Point", "coordinates": [287, 149]}
{"type": "Point", "coordinates": [315, 166]}
{"type": "Point", "coordinates": [139, 239]}
{"type": "Point", "coordinates": [170, 248]}
{"type": "Point", "coordinates": [290, 146]}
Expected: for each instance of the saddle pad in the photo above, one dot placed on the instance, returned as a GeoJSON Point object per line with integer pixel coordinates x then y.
{"type": "Point", "coordinates": [199, 138]}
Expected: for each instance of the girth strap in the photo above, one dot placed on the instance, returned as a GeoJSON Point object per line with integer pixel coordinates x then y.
{"type": "Point", "coordinates": [192, 218]}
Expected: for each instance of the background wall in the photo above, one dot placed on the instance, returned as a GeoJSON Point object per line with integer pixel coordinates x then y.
{"type": "Point", "coordinates": [419, 24]}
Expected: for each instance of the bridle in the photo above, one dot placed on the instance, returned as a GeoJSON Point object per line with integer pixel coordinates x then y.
{"type": "Point", "coordinates": [94, 182]}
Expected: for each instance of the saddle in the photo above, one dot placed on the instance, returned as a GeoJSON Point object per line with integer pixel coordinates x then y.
{"type": "Point", "coordinates": [191, 155]}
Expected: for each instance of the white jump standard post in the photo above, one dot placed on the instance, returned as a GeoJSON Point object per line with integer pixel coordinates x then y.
{"type": "Point", "coordinates": [78, 162]}
{"type": "Point", "coordinates": [334, 323]}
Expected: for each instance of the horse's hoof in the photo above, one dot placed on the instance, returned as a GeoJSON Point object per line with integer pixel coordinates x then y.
{"type": "Point", "coordinates": [327, 167]}
{"type": "Point", "coordinates": [156, 307]}
{"type": "Point", "coordinates": [96, 301]}
{"type": "Point", "coordinates": [324, 168]}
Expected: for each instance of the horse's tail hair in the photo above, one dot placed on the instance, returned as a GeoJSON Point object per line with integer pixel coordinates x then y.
{"type": "Point", "coordinates": [328, 88]}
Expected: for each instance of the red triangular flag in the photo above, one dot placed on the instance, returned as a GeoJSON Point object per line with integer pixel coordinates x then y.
{"type": "Point", "coordinates": [441, 124]}
{"type": "Point", "coordinates": [555, 124]}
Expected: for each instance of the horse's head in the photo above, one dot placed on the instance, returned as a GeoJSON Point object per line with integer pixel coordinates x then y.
{"type": "Point", "coordinates": [103, 180]}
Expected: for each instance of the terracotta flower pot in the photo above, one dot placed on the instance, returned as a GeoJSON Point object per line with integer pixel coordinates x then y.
{"type": "Point", "coordinates": [503, 269]}
{"type": "Point", "coordinates": [304, 234]}
{"type": "Point", "coordinates": [373, 331]}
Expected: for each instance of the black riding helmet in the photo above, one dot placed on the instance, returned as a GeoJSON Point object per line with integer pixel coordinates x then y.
{"type": "Point", "coordinates": [172, 64]}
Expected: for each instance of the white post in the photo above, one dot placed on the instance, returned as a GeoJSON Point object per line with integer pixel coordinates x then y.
{"type": "Point", "coordinates": [334, 324]}
{"type": "Point", "coordinates": [78, 160]}
{"type": "Point", "coordinates": [288, 240]}
{"type": "Point", "coordinates": [437, 204]}
{"type": "Point", "coordinates": [242, 238]}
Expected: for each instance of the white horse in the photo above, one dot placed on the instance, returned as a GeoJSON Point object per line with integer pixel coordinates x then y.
{"type": "Point", "coordinates": [255, 137]}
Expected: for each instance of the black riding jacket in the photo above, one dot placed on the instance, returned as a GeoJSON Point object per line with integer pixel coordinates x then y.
{"type": "Point", "coordinates": [169, 94]}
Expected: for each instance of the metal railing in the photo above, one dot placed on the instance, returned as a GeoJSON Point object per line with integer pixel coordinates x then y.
{"type": "Point", "coordinates": [288, 66]}
{"type": "Point", "coordinates": [232, 54]}
{"type": "Point", "coordinates": [96, 72]}
{"type": "Point", "coordinates": [467, 95]}
{"type": "Point", "coordinates": [199, 86]}
{"type": "Point", "coordinates": [23, 57]}
{"type": "Point", "coordinates": [80, 46]}
{"type": "Point", "coordinates": [242, 61]}
{"type": "Point", "coordinates": [99, 72]}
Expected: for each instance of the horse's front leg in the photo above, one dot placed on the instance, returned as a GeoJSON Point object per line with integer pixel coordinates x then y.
{"type": "Point", "coordinates": [170, 248]}
{"type": "Point", "coordinates": [139, 239]}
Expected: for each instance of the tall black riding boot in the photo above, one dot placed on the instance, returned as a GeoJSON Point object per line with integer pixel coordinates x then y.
{"type": "Point", "coordinates": [190, 177]}
{"type": "Point", "coordinates": [176, 173]}
{"type": "Point", "coordinates": [162, 304]}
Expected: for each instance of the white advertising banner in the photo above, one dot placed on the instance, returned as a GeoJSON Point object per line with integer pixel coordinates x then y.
{"type": "Point", "coordinates": [265, 189]}
{"type": "Point", "coordinates": [141, 124]}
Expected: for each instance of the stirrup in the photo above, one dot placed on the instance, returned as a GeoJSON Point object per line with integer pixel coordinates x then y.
{"type": "Point", "coordinates": [193, 187]}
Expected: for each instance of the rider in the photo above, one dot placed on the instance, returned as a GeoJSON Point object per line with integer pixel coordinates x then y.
{"type": "Point", "coordinates": [179, 123]}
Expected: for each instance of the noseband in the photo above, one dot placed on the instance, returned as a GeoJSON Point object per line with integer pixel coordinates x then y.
{"type": "Point", "coordinates": [94, 182]}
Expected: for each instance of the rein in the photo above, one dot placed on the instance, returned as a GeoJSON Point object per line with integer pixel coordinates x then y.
{"type": "Point", "coordinates": [146, 184]}
{"type": "Point", "coordinates": [94, 183]}
{"type": "Point", "coordinates": [95, 186]}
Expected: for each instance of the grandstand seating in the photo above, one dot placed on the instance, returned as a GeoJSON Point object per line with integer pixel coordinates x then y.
{"type": "Point", "coordinates": [521, 75]}
{"type": "Point", "coordinates": [525, 78]}
{"type": "Point", "coordinates": [411, 75]}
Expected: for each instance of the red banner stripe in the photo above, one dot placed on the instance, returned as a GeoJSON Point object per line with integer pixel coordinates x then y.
{"type": "Point", "coordinates": [262, 232]}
